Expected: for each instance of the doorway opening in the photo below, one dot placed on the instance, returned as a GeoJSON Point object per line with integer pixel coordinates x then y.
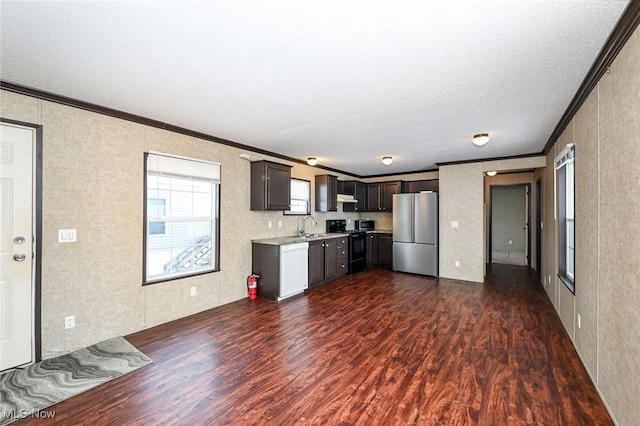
{"type": "Point", "coordinates": [509, 233]}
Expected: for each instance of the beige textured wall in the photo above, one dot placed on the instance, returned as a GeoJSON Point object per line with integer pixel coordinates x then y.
{"type": "Point", "coordinates": [619, 247]}
{"type": "Point", "coordinates": [605, 131]}
{"type": "Point", "coordinates": [587, 235]}
{"type": "Point", "coordinates": [93, 181]}
{"type": "Point", "coordinates": [462, 200]}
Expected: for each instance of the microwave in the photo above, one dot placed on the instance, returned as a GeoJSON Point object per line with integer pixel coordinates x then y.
{"type": "Point", "coordinates": [365, 225]}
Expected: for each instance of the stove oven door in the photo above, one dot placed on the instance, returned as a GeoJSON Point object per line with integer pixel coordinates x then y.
{"type": "Point", "coordinates": [357, 252]}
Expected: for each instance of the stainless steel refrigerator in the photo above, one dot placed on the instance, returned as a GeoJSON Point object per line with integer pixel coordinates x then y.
{"type": "Point", "coordinates": [415, 233]}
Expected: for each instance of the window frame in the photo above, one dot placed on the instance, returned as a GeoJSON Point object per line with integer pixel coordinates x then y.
{"type": "Point", "coordinates": [215, 222]}
{"type": "Point", "coordinates": [308, 201]}
{"type": "Point", "coordinates": [565, 214]}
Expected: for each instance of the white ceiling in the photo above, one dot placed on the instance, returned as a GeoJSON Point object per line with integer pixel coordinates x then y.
{"type": "Point", "coordinates": [345, 81]}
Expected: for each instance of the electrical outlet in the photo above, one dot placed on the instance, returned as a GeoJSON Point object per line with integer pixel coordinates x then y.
{"type": "Point", "coordinates": [269, 224]}
{"type": "Point", "coordinates": [455, 224]}
{"type": "Point", "coordinates": [193, 291]}
{"type": "Point", "coordinates": [279, 224]}
{"type": "Point", "coordinates": [510, 241]}
{"type": "Point", "coordinates": [69, 322]}
{"type": "Point", "coordinates": [549, 279]}
{"type": "Point", "coordinates": [578, 321]}
{"type": "Point", "coordinates": [457, 263]}
{"type": "Point", "coordinates": [67, 235]}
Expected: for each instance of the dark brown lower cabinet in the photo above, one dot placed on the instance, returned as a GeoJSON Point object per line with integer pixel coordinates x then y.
{"type": "Point", "coordinates": [326, 261]}
{"type": "Point", "coordinates": [373, 249]}
{"type": "Point", "coordinates": [385, 250]}
{"type": "Point", "coordinates": [316, 263]}
{"type": "Point", "coordinates": [380, 250]}
{"type": "Point", "coordinates": [342, 256]}
{"type": "Point", "coordinates": [330, 266]}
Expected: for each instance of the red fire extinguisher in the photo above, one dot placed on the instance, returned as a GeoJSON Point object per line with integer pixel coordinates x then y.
{"type": "Point", "coordinates": [252, 286]}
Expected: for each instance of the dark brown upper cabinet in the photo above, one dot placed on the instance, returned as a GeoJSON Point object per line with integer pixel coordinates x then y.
{"type": "Point", "coordinates": [359, 191]}
{"type": "Point", "coordinates": [270, 186]}
{"type": "Point", "coordinates": [326, 193]}
{"type": "Point", "coordinates": [388, 190]}
{"type": "Point", "coordinates": [420, 185]}
{"type": "Point", "coordinates": [380, 196]}
{"type": "Point", "coordinates": [374, 195]}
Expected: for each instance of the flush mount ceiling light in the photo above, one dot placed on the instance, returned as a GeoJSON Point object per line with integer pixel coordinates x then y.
{"type": "Point", "coordinates": [387, 160]}
{"type": "Point", "coordinates": [480, 139]}
{"type": "Point", "coordinates": [312, 161]}
{"type": "Point", "coordinates": [492, 173]}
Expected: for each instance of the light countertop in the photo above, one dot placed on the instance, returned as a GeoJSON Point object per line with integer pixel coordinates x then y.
{"type": "Point", "coordinates": [293, 239]}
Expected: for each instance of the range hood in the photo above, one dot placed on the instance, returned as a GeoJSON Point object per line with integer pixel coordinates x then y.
{"type": "Point", "coordinates": [344, 198]}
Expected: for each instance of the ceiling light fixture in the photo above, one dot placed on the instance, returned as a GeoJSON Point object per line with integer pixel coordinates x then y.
{"type": "Point", "coordinates": [387, 160]}
{"type": "Point", "coordinates": [480, 139]}
{"type": "Point", "coordinates": [492, 173]}
{"type": "Point", "coordinates": [312, 161]}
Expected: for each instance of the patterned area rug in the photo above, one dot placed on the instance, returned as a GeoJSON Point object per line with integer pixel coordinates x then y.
{"type": "Point", "coordinates": [24, 392]}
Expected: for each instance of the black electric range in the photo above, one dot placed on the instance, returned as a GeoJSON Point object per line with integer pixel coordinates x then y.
{"type": "Point", "coordinates": [357, 244]}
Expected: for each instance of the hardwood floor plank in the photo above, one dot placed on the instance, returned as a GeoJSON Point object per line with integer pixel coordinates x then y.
{"type": "Point", "coordinates": [375, 348]}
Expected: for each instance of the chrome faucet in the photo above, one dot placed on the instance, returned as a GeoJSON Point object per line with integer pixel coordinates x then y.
{"type": "Point", "coordinates": [304, 219]}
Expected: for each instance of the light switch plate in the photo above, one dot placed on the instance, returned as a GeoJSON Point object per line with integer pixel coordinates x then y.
{"type": "Point", "coordinates": [454, 224]}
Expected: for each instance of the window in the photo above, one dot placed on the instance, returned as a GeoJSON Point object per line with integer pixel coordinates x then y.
{"type": "Point", "coordinates": [300, 197]}
{"type": "Point", "coordinates": [565, 181]}
{"type": "Point", "coordinates": [181, 217]}
{"type": "Point", "coordinates": [156, 207]}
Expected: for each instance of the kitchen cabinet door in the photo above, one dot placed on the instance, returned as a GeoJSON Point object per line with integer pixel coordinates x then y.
{"type": "Point", "coordinates": [380, 250]}
{"type": "Point", "coordinates": [361, 196]}
{"type": "Point", "coordinates": [385, 250]}
{"type": "Point", "coordinates": [373, 253]}
{"type": "Point", "coordinates": [373, 197]}
{"type": "Point", "coordinates": [388, 190]}
{"type": "Point", "coordinates": [330, 260]}
{"type": "Point", "coordinates": [270, 186]}
{"type": "Point", "coordinates": [316, 263]}
{"type": "Point", "coordinates": [326, 193]}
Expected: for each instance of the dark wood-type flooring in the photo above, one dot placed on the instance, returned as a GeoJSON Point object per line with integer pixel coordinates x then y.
{"type": "Point", "coordinates": [376, 348]}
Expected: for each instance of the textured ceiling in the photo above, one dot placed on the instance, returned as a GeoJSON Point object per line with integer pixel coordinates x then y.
{"type": "Point", "coordinates": [345, 81]}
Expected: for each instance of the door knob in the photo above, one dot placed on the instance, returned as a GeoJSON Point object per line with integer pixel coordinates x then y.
{"type": "Point", "coordinates": [19, 257]}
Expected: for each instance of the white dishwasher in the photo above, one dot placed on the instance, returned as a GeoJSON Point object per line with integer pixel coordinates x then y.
{"type": "Point", "coordinates": [294, 269]}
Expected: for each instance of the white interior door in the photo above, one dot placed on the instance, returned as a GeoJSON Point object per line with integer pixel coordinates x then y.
{"type": "Point", "coordinates": [16, 245]}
